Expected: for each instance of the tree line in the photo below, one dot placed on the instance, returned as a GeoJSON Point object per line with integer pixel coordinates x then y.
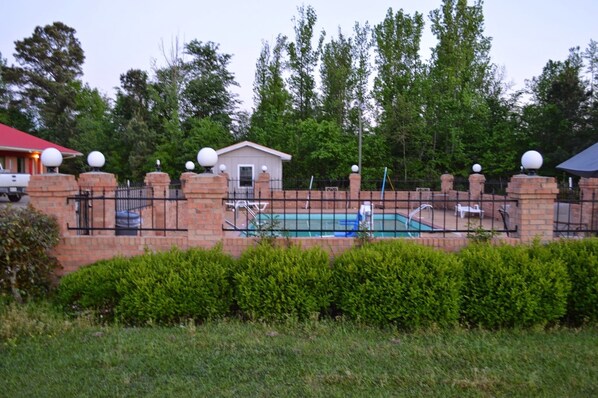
{"type": "Point", "coordinates": [313, 94]}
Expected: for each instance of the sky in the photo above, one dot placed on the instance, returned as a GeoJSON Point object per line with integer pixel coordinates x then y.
{"type": "Point", "coordinates": [118, 35]}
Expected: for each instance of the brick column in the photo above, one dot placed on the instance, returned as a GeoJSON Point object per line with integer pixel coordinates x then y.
{"type": "Point", "coordinates": [48, 193]}
{"type": "Point", "coordinates": [226, 177]}
{"type": "Point", "coordinates": [262, 186]}
{"type": "Point", "coordinates": [446, 183]}
{"type": "Point", "coordinates": [186, 176]}
{"type": "Point", "coordinates": [476, 186]}
{"type": "Point", "coordinates": [588, 188]}
{"type": "Point", "coordinates": [160, 184]}
{"type": "Point", "coordinates": [101, 212]}
{"type": "Point", "coordinates": [534, 216]}
{"type": "Point", "coordinates": [354, 189]}
{"type": "Point", "coordinates": [205, 210]}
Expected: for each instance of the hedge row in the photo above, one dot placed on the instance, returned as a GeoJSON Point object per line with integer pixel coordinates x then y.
{"type": "Point", "coordinates": [389, 282]}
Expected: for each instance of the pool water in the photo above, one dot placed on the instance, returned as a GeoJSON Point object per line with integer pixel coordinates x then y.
{"type": "Point", "coordinates": [339, 224]}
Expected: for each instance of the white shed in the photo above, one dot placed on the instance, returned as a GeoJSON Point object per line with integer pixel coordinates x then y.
{"type": "Point", "coordinates": [245, 160]}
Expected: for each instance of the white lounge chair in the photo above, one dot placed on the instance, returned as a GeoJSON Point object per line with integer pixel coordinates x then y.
{"type": "Point", "coordinates": [462, 210]}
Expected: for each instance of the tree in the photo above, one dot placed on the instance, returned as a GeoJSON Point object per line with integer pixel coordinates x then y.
{"type": "Point", "coordinates": [50, 65]}
{"type": "Point", "coordinates": [337, 76]}
{"type": "Point", "coordinates": [303, 60]}
{"type": "Point", "coordinates": [398, 89]}
{"type": "Point", "coordinates": [556, 117]}
{"type": "Point", "coordinates": [455, 108]}
{"type": "Point", "coordinates": [272, 101]}
{"type": "Point", "coordinates": [208, 81]}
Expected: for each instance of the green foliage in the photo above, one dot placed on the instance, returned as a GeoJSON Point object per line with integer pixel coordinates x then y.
{"type": "Point", "coordinates": [94, 288]}
{"type": "Point", "coordinates": [163, 288]}
{"type": "Point", "coordinates": [399, 282]}
{"type": "Point", "coordinates": [581, 260]}
{"type": "Point", "coordinates": [26, 238]}
{"type": "Point", "coordinates": [507, 286]}
{"type": "Point", "coordinates": [279, 284]}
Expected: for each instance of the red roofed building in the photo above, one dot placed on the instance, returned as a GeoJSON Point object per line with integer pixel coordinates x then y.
{"type": "Point", "coordinates": [19, 151]}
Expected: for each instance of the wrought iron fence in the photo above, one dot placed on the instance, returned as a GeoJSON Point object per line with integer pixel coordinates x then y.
{"type": "Point", "coordinates": [406, 214]}
{"type": "Point", "coordinates": [133, 210]}
{"type": "Point", "coordinates": [575, 215]}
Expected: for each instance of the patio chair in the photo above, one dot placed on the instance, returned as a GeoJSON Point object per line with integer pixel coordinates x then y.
{"type": "Point", "coordinates": [462, 210]}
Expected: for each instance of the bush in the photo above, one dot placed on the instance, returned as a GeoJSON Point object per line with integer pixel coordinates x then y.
{"type": "Point", "coordinates": [399, 282]}
{"type": "Point", "coordinates": [93, 287]}
{"type": "Point", "coordinates": [581, 259]}
{"type": "Point", "coordinates": [162, 287]}
{"type": "Point", "coordinates": [26, 238]}
{"type": "Point", "coordinates": [174, 286]}
{"type": "Point", "coordinates": [506, 286]}
{"type": "Point", "coordinates": [274, 283]}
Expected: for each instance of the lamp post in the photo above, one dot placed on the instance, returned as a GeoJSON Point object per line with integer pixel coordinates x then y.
{"type": "Point", "coordinates": [359, 110]}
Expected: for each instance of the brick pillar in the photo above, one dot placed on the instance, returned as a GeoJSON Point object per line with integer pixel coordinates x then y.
{"type": "Point", "coordinates": [588, 188]}
{"type": "Point", "coordinates": [354, 189]}
{"type": "Point", "coordinates": [534, 216]}
{"type": "Point", "coordinates": [186, 176]}
{"type": "Point", "coordinates": [446, 183]}
{"type": "Point", "coordinates": [160, 184]}
{"type": "Point", "coordinates": [262, 186]}
{"type": "Point", "coordinates": [48, 193]}
{"type": "Point", "coordinates": [226, 177]}
{"type": "Point", "coordinates": [205, 210]}
{"type": "Point", "coordinates": [476, 186]}
{"type": "Point", "coordinates": [101, 212]}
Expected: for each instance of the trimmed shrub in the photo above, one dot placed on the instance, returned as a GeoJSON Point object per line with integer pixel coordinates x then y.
{"type": "Point", "coordinates": [93, 287]}
{"type": "Point", "coordinates": [174, 286]}
{"type": "Point", "coordinates": [581, 259]}
{"type": "Point", "coordinates": [506, 286]}
{"type": "Point", "coordinates": [26, 238]}
{"type": "Point", "coordinates": [162, 288]}
{"type": "Point", "coordinates": [277, 284]}
{"type": "Point", "coordinates": [399, 282]}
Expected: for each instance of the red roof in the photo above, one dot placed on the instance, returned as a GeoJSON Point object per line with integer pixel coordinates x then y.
{"type": "Point", "coordinates": [14, 140]}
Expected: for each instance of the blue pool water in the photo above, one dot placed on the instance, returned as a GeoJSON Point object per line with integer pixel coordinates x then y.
{"type": "Point", "coordinates": [340, 224]}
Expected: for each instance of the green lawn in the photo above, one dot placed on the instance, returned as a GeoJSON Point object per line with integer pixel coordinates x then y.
{"type": "Point", "coordinates": [54, 357]}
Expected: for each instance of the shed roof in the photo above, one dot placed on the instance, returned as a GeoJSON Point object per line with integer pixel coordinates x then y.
{"type": "Point", "coordinates": [283, 156]}
{"type": "Point", "coordinates": [15, 140]}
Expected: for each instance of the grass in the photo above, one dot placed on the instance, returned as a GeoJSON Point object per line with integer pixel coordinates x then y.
{"type": "Point", "coordinates": [43, 354]}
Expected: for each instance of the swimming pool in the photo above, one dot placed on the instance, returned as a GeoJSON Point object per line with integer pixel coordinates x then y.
{"type": "Point", "coordinates": [338, 224]}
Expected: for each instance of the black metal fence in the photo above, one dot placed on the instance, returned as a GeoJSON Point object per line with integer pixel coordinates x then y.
{"type": "Point", "coordinates": [410, 215]}
{"type": "Point", "coordinates": [135, 211]}
{"type": "Point", "coordinates": [575, 215]}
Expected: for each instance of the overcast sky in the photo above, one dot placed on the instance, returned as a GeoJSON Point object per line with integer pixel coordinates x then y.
{"type": "Point", "coordinates": [118, 35]}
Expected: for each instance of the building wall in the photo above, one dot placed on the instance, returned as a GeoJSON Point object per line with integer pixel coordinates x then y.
{"type": "Point", "coordinates": [29, 162]}
{"type": "Point", "coordinates": [250, 156]}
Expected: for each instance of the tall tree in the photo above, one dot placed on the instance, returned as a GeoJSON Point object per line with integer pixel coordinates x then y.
{"type": "Point", "coordinates": [398, 89]}
{"type": "Point", "coordinates": [337, 76]}
{"type": "Point", "coordinates": [46, 81]}
{"type": "Point", "coordinates": [272, 101]}
{"type": "Point", "coordinates": [303, 60]}
{"type": "Point", "coordinates": [460, 64]}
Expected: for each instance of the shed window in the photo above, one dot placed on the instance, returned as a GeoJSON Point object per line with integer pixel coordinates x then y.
{"type": "Point", "coordinates": [245, 176]}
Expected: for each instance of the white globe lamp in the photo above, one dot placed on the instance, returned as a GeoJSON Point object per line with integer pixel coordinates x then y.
{"type": "Point", "coordinates": [96, 160]}
{"type": "Point", "coordinates": [264, 168]}
{"type": "Point", "coordinates": [51, 158]}
{"type": "Point", "coordinates": [207, 158]}
{"type": "Point", "coordinates": [476, 168]}
{"type": "Point", "coordinates": [531, 161]}
{"type": "Point", "coordinates": [222, 168]}
{"type": "Point", "coordinates": [189, 166]}
{"type": "Point", "coordinates": [354, 168]}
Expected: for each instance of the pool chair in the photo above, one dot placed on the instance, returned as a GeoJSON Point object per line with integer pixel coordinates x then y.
{"type": "Point", "coordinates": [462, 210]}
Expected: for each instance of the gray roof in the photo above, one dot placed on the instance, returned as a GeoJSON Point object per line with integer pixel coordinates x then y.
{"type": "Point", "coordinates": [584, 164]}
{"type": "Point", "coordinates": [283, 156]}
